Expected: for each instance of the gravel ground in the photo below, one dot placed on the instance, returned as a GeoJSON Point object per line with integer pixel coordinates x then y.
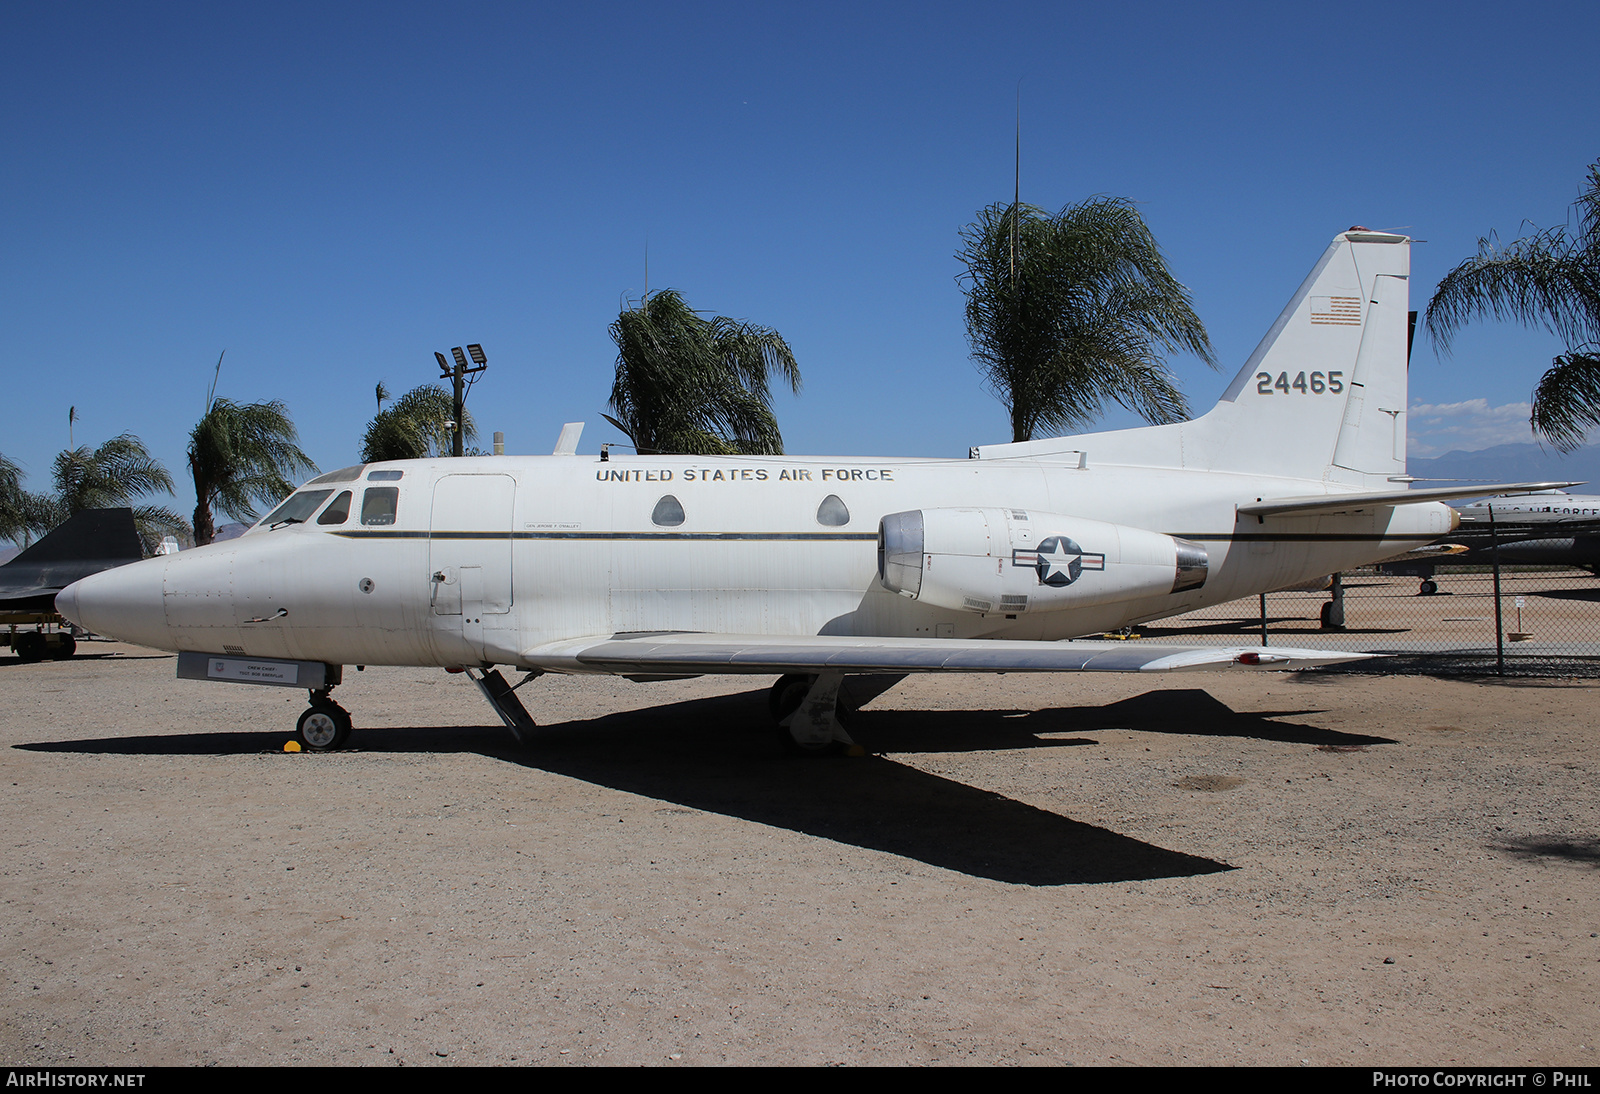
{"type": "Point", "coordinates": [1204, 868]}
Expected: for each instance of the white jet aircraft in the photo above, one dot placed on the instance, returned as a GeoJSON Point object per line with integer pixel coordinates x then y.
{"type": "Point", "coordinates": [813, 568]}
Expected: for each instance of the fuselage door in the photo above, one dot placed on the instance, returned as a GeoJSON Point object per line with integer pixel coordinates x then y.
{"type": "Point", "coordinates": [469, 545]}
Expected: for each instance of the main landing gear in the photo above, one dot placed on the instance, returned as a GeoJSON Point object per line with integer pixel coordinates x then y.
{"type": "Point", "coordinates": [325, 725]}
{"type": "Point", "coordinates": [810, 716]}
{"type": "Point", "coordinates": [37, 645]}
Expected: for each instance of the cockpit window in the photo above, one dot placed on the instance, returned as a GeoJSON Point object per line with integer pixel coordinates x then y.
{"type": "Point", "coordinates": [344, 474]}
{"type": "Point", "coordinates": [668, 512]}
{"type": "Point", "coordinates": [338, 512]}
{"type": "Point", "coordinates": [379, 503]}
{"type": "Point", "coordinates": [384, 476]}
{"type": "Point", "coordinates": [832, 512]}
{"type": "Point", "coordinates": [297, 509]}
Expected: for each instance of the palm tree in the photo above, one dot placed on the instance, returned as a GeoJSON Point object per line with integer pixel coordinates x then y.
{"type": "Point", "coordinates": [116, 474]}
{"type": "Point", "coordinates": [694, 385]}
{"type": "Point", "coordinates": [16, 517]}
{"type": "Point", "coordinates": [415, 427]}
{"type": "Point", "coordinates": [1066, 313]}
{"type": "Point", "coordinates": [240, 455]}
{"type": "Point", "coordinates": [1544, 280]}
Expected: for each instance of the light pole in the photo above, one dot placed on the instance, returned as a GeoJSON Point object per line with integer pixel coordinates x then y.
{"type": "Point", "coordinates": [458, 375]}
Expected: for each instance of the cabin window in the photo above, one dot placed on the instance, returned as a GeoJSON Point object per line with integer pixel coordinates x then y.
{"type": "Point", "coordinates": [339, 511]}
{"type": "Point", "coordinates": [379, 503]}
{"type": "Point", "coordinates": [832, 513]}
{"type": "Point", "coordinates": [384, 476]}
{"type": "Point", "coordinates": [668, 513]}
{"type": "Point", "coordinates": [298, 509]}
{"type": "Point", "coordinates": [344, 474]}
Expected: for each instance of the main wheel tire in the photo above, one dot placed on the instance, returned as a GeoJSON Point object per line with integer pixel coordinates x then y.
{"type": "Point", "coordinates": [30, 646]}
{"type": "Point", "coordinates": [783, 700]}
{"type": "Point", "coordinates": [65, 648]}
{"type": "Point", "coordinates": [787, 693]}
{"type": "Point", "coordinates": [1327, 618]}
{"type": "Point", "coordinates": [1428, 588]}
{"type": "Point", "coordinates": [323, 727]}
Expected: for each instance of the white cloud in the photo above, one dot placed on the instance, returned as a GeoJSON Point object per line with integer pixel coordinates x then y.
{"type": "Point", "coordinates": [1433, 429]}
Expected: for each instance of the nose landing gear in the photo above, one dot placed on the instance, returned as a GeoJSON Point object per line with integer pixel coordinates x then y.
{"type": "Point", "coordinates": [325, 725]}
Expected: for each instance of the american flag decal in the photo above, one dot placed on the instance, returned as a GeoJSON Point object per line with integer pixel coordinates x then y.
{"type": "Point", "coordinates": [1344, 311]}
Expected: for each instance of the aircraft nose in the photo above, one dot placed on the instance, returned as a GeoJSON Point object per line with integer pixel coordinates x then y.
{"type": "Point", "coordinates": [123, 603]}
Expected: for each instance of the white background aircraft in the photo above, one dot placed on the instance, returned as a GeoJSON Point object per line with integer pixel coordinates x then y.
{"type": "Point", "coordinates": [819, 568]}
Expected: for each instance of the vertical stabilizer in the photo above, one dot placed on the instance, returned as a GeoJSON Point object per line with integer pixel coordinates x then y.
{"type": "Point", "coordinates": [1324, 394]}
{"type": "Point", "coordinates": [99, 535]}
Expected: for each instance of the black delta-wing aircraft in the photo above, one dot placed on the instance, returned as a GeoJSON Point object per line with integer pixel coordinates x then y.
{"type": "Point", "coordinates": [88, 542]}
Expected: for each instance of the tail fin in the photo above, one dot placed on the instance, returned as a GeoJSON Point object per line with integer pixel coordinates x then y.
{"type": "Point", "coordinates": [1322, 397]}
{"type": "Point", "coordinates": [1324, 394]}
{"type": "Point", "coordinates": [89, 535]}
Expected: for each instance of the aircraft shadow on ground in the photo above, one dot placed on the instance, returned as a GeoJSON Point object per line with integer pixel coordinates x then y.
{"type": "Point", "coordinates": [1559, 847]}
{"type": "Point", "coordinates": [1587, 596]}
{"type": "Point", "coordinates": [17, 662]}
{"type": "Point", "coordinates": [1191, 712]}
{"type": "Point", "coordinates": [719, 755]}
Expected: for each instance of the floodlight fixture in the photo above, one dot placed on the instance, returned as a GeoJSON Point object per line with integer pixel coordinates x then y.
{"type": "Point", "coordinates": [477, 354]}
{"type": "Point", "coordinates": [461, 358]}
{"type": "Point", "coordinates": [444, 366]}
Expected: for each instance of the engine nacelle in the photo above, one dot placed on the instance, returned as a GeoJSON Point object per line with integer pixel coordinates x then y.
{"type": "Point", "coordinates": [1015, 560]}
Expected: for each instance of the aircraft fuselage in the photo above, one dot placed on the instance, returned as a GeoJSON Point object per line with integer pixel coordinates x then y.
{"type": "Point", "coordinates": [484, 558]}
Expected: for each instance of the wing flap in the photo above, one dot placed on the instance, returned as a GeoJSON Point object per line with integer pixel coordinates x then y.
{"type": "Point", "coordinates": [678, 653]}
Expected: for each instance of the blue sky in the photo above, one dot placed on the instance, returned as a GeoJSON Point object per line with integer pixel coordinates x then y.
{"type": "Point", "coordinates": [332, 192]}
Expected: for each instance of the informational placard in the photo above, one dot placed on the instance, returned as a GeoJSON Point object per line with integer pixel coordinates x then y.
{"type": "Point", "coordinates": [255, 670]}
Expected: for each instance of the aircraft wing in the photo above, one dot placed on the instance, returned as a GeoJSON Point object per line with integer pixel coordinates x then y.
{"type": "Point", "coordinates": [693, 653]}
{"type": "Point", "coordinates": [1346, 503]}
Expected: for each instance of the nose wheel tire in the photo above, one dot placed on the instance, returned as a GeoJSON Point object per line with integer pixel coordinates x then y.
{"type": "Point", "coordinates": [323, 727]}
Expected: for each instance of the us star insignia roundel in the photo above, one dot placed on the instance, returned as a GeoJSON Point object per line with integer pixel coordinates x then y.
{"type": "Point", "coordinates": [1058, 561]}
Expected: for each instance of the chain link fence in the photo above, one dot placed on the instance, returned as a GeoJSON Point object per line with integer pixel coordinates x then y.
{"type": "Point", "coordinates": [1547, 624]}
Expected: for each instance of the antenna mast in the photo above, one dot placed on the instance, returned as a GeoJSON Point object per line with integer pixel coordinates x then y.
{"type": "Point", "coordinates": [1016, 194]}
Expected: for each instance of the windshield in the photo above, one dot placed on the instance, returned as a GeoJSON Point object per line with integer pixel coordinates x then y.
{"type": "Point", "coordinates": [297, 509]}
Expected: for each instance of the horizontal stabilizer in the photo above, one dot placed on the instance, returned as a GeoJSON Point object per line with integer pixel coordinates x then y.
{"type": "Point", "coordinates": [684, 652]}
{"type": "Point", "coordinates": [1347, 503]}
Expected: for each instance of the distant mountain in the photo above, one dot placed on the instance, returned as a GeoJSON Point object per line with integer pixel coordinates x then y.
{"type": "Point", "coordinates": [1511, 463]}
{"type": "Point", "coordinates": [230, 531]}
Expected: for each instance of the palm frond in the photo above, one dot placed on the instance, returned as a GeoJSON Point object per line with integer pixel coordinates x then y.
{"type": "Point", "coordinates": [110, 476]}
{"type": "Point", "coordinates": [1548, 280]}
{"type": "Point", "coordinates": [1566, 401]}
{"type": "Point", "coordinates": [1540, 281]}
{"type": "Point", "coordinates": [694, 385]}
{"type": "Point", "coordinates": [241, 456]}
{"type": "Point", "coordinates": [415, 427]}
{"type": "Point", "coordinates": [1079, 313]}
